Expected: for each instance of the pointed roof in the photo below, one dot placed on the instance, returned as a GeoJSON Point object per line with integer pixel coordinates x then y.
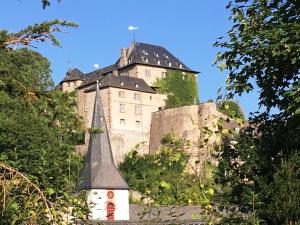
{"type": "Point", "coordinates": [73, 74]}
{"type": "Point", "coordinates": [100, 171]}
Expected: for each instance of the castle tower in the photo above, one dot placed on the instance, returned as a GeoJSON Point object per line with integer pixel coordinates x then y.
{"type": "Point", "coordinates": [107, 191]}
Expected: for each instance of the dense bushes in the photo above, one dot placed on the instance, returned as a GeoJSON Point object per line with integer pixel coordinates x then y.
{"type": "Point", "coordinates": [163, 177]}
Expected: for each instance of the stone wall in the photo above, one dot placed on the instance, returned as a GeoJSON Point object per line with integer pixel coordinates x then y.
{"type": "Point", "coordinates": [188, 122]}
{"type": "Point", "coordinates": [189, 215]}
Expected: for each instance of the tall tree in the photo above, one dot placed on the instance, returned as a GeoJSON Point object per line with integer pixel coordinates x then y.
{"type": "Point", "coordinates": [262, 167]}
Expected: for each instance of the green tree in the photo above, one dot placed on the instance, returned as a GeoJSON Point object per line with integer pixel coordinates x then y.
{"type": "Point", "coordinates": [163, 177]}
{"type": "Point", "coordinates": [230, 109]}
{"type": "Point", "coordinates": [180, 88]}
{"type": "Point", "coordinates": [263, 161]}
{"type": "Point", "coordinates": [39, 128]}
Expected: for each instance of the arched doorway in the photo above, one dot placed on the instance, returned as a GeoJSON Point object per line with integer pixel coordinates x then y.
{"type": "Point", "coordinates": [110, 211]}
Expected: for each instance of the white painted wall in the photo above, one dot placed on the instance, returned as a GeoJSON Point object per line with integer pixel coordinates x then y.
{"type": "Point", "coordinates": [122, 204]}
{"type": "Point", "coordinates": [97, 201]}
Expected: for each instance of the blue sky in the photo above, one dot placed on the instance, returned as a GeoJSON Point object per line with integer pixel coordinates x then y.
{"type": "Point", "coordinates": [187, 28]}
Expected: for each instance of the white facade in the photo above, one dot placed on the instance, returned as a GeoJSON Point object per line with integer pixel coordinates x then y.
{"type": "Point", "coordinates": [108, 204]}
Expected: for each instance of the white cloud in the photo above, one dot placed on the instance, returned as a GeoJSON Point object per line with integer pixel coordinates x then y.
{"type": "Point", "coordinates": [132, 27]}
{"type": "Point", "coordinates": [96, 66]}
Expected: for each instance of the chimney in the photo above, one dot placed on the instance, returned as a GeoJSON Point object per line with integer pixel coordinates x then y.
{"type": "Point", "coordinates": [123, 57]}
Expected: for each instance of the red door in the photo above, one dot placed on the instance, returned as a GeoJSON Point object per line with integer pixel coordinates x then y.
{"type": "Point", "coordinates": [110, 211]}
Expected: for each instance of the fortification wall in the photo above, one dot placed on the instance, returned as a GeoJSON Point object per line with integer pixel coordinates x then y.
{"type": "Point", "coordinates": [188, 122]}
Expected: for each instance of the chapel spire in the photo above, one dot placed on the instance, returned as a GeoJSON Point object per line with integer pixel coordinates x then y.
{"type": "Point", "coordinates": [100, 171]}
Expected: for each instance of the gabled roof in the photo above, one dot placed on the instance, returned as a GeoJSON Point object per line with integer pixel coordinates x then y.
{"type": "Point", "coordinates": [73, 75]}
{"type": "Point", "coordinates": [123, 82]}
{"type": "Point", "coordinates": [100, 171]}
{"type": "Point", "coordinates": [154, 55]}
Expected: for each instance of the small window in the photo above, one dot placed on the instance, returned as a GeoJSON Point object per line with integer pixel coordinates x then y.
{"type": "Point", "coordinates": [150, 98]}
{"type": "Point", "coordinates": [121, 94]}
{"type": "Point", "coordinates": [180, 66]}
{"type": "Point", "coordinates": [137, 96]}
{"type": "Point", "coordinates": [147, 72]}
{"type": "Point", "coordinates": [156, 54]}
{"type": "Point", "coordinates": [138, 124]}
{"type": "Point", "coordinates": [169, 63]}
{"type": "Point", "coordinates": [145, 52]}
{"type": "Point", "coordinates": [166, 56]}
{"type": "Point", "coordinates": [145, 60]}
{"type": "Point", "coordinates": [129, 60]}
{"type": "Point", "coordinates": [69, 84]}
{"type": "Point", "coordinates": [159, 108]}
{"type": "Point", "coordinates": [158, 62]}
{"type": "Point", "coordinates": [122, 83]}
{"type": "Point", "coordinates": [122, 122]}
{"type": "Point", "coordinates": [137, 110]}
{"type": "Point", "coordinates": [136, 85]}
{"type": "Point", "coordinates": [122, 108]}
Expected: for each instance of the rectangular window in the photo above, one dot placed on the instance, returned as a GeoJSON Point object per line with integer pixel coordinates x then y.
{"type": "Point", "coordinates": [137, 110]}
{"type": "Point", "coordinates": [122, 122]}
{"type": "Point", "coordinates": [137, 124]}
{"type": "Point", "coordinates": [121, 94]}
{"type": "Point", "coordinates": [147, 73]}
{"type": "Point", "coordinates": [137, 96]}
{"type": "Point", "coordinates": [122, 108]}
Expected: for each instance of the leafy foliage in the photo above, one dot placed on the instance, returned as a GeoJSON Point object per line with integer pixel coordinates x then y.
{"type": "Point", "coordinates": [47, 3]}
{"type": "Point", "coordinates": [37, 33]}
{"type": "Point", "coordinates": [38, 131]}
{"type": "Point", "coordinates": [230, 109]}
{"type": "Point", "coordinates": [163, 177]}
{"type": "Point", "coordinates": [260, 167]}
{"type": "Point", "coordinates": [181, 88]}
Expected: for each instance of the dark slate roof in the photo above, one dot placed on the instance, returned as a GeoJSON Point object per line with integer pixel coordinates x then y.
{"type": "Point", "coordinates": [148, 54]}
{"type": "Point", "coordinates": [123, 82]}
{"type": "Point", "coordinates": [73, 74]}
{"type": "Point", "coordinates": [97, 74]}
{"type": "Point", "coordinates": [100, 171]}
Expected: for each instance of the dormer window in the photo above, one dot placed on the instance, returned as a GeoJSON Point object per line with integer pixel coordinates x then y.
{"type": "Point", "coordinates": [169, 63]}
{"type": "Point", "coordinates": [145, 59]}
{"type": "Point", "coordinates": [129, 61]}
{"type": "Point", "coordinates": [166, 56]}
{"type": "Point", "coordinates": [145, 52]}
{"type": "Point", "coordinates": [180, 66]}
{"type": "Point", "coordinates": [156, 54]}
{"type": "Point", "coordinates": [136, 85]}
{"type": "Point", "coordinates": [158, 62]}
{"type": "Point", "coordinates": [122, 83]}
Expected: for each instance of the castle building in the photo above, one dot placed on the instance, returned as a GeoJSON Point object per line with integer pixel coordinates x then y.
{"type": "Point", "coordinates": [128, 93]}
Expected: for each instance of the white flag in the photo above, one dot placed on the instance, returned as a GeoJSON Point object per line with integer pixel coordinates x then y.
{"type": "Point", "coordinates": [132, 27]}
